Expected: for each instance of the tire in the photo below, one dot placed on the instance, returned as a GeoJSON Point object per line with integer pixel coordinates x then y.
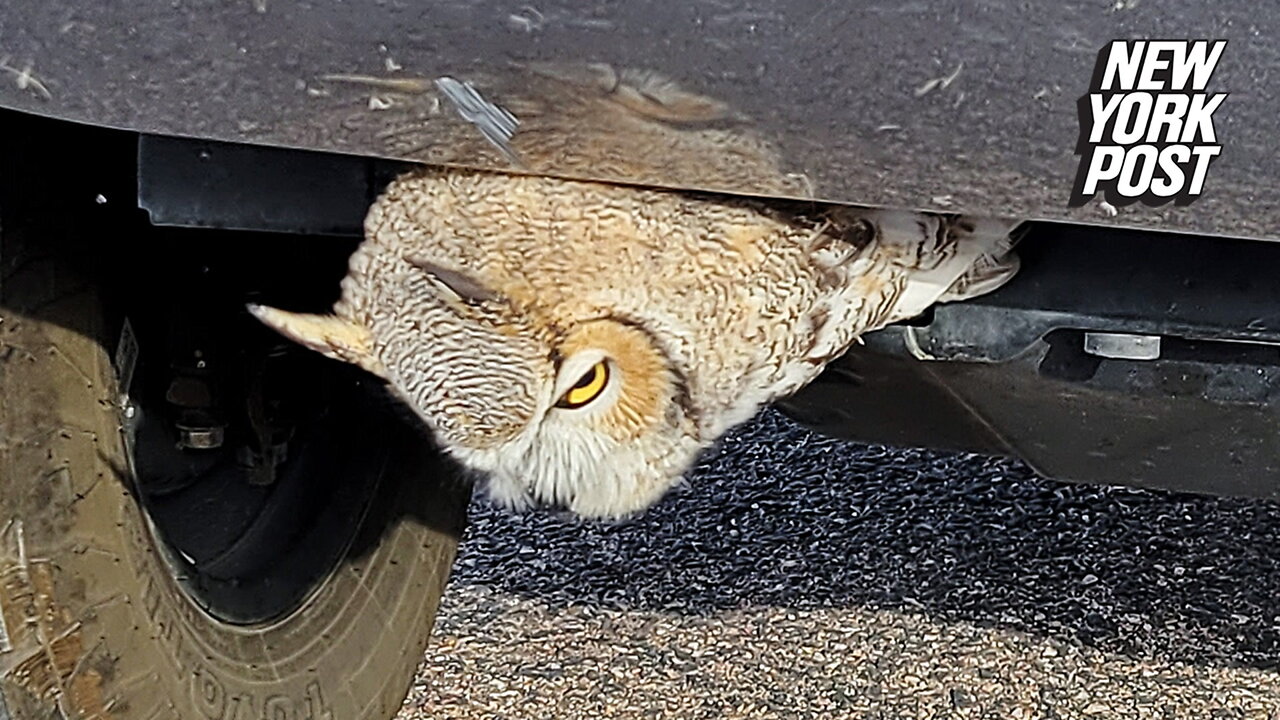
{"type": "Point", "coordinates": [94, 622]}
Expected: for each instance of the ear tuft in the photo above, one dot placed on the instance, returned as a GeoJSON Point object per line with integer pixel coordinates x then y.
{"type": "Point", "coordinates": [329, 335]}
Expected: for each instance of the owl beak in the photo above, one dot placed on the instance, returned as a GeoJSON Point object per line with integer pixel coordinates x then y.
{"type": "Point", "coordinates": [329, 335]}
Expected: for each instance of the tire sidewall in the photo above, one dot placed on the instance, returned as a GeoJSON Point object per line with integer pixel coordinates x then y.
{"type": "Point", "coordinates": [94, 625]}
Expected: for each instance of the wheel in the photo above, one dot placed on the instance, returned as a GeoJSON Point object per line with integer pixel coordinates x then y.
{"type": "Point", "coordinates": [142, 580]}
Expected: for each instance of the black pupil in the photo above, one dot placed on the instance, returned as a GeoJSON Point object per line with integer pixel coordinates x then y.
{"type": "Point", "coordinates": [586, 379]}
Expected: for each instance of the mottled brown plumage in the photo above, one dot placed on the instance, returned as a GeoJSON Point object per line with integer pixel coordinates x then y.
{"type": "Point", "coordinates": [484, 299]}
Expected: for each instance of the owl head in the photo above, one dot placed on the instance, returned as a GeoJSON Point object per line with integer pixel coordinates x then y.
{"type": "Point", "coordinates": [583, 412]}
{"type": "Point", "coordinates": [578, 343]}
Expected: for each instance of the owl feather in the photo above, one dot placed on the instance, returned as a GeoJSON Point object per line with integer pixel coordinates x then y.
{"type": "Point", "coordinates": [580, 343]}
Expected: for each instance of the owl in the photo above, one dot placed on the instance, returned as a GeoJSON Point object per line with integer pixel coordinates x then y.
{"type": "Point", "coordinates": [578, 344]}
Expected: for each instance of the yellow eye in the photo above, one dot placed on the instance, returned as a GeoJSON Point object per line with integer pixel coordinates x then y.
{"type": "Point", "coordinates": [588, 388]}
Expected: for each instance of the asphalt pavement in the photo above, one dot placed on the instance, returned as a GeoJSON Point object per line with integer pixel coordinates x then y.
{"type": "Point", "coordinates": [799, 576]}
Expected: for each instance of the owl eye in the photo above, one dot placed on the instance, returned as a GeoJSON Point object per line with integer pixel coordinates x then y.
{"type": "Point", "coordinates": [588, 388]}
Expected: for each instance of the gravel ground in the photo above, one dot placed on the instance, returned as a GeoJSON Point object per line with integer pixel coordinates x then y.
{"type": "Point", "coordinates": [798, 576]}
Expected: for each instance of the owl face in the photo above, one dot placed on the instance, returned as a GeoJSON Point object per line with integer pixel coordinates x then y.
{"type": "Point", "coordinates": [609, 435]}
{"type": "Point", "coordinates": [585, 415]}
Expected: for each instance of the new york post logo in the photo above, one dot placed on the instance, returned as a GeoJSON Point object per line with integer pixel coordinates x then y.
{"type": "Point", "coordinates": [1146, 126]}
